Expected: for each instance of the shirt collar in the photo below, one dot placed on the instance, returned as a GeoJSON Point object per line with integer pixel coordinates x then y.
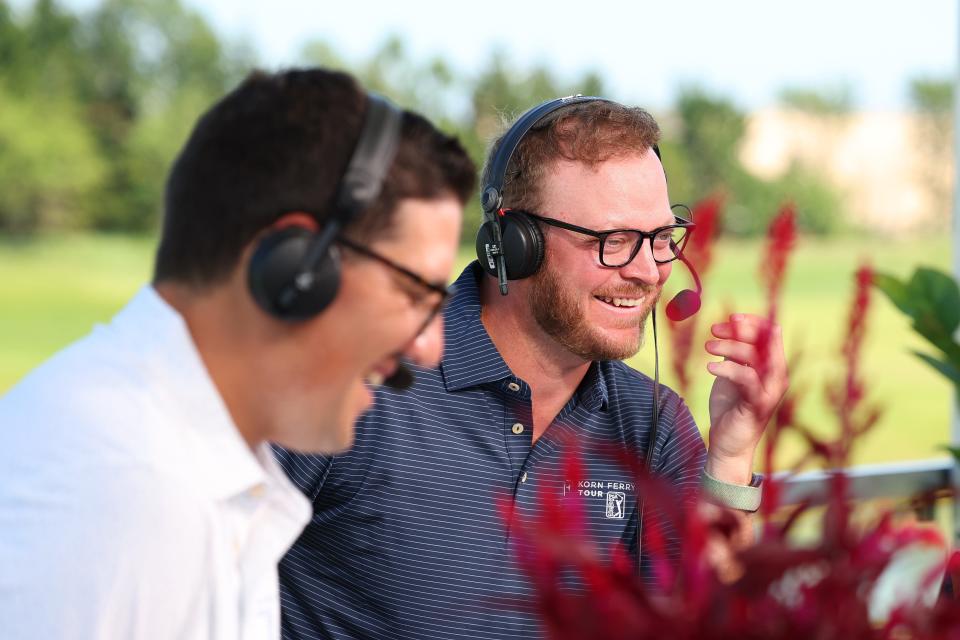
{"type": "Point", "coordinates": [470, 358]}
{"type": "Point", "coordinates": [593, 392]}
{"type": "Point", "coordinates": [215, 454]}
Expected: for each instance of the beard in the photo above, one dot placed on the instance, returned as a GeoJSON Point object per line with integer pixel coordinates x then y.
{"type": "Point", "coordinates": [558, 310]}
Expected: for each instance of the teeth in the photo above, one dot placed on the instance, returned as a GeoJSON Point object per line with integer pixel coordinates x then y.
{"type": "Point", "coordinates": [623, 302]}
{"type": "Point", "coordinates": [375, 378]}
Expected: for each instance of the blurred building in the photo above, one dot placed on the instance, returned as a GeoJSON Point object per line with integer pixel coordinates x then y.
{"type": "Point", "coordinates": [893, 170]}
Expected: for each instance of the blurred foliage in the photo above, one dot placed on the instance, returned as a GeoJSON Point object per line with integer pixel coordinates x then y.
{"type": "Point", "coordinates": [932, 95]}
{"type": "Point", "coordinates": [832, 101]}
{"type": "Point", "coordinates": [94, 105]}
{"type": "Point", "coordinates": [46, 174]}
{"type": "Point", "coordinates": [477, 109]}
{"type": "Point", "coordinates": [704, 159]}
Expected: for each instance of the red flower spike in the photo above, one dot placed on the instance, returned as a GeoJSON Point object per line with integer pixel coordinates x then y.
{"type": "Point", "coordinates": [781, 238]}
{"type": "Point", "coordinates": [847, 396]}
{"type": "Point", "coordinates": [699, 249]}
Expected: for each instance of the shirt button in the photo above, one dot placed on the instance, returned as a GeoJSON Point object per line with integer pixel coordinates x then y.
{"type": "Point", "coordinates": [513, 386]}
{"type": "Point", "coordinates": [523, 478]}
{"type": "Point", "coordinates": [517, 428]}
{"type": "Point", "coordinates": [257, 491]}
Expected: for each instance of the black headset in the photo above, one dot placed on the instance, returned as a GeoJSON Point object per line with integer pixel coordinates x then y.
{"type": "Point", "coordinates": [510, 243]}
{"type": "Point", "coordinates": [294, 273]}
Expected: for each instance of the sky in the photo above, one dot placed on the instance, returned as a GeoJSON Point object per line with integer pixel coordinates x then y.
{"type": "Point", "coordinates": [748, 50]}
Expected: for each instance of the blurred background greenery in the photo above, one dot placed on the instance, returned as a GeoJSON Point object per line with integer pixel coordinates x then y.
{"type": "Point", "coordinates": [95, 102]}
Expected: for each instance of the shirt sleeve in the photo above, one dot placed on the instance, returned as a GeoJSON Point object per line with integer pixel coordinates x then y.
{"type": "Point", "coordinates": [119, 553]}
{"type": "Point", "coordinates": [307, 471]}
{"type": "Point", "coordinates": [683, 452]}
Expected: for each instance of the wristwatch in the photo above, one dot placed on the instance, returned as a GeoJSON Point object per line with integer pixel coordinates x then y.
{"type": "Point", "coordinates": [733, 496]}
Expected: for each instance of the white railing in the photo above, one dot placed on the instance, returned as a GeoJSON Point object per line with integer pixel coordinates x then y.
{"type": "Point", "coordinates": [895, 480]}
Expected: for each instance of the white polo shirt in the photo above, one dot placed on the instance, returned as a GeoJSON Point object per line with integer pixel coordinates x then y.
{"type": "Point", "coordinates": [130, 506]}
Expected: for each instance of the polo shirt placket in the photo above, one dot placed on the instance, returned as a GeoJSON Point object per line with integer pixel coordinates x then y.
{"type": "Point", "coordinates": [517, 428]}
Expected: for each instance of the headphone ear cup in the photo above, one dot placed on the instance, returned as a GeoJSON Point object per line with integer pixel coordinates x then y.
{"type": "Point", "coordinates": [274, 266]}
{"type": "Point", "coordinates": [485, 240]}
{"type": "Point", "coordinates": [523, 245]}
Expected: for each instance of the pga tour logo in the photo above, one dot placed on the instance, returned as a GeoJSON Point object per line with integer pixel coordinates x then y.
{"type": "Point", "coordinates": [616, 501]}
{"type": "Point", "coordinates": [611, 494]}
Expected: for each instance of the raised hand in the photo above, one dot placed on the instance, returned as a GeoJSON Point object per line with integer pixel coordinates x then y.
{"type": "Point", "coordinates": [751, 381]}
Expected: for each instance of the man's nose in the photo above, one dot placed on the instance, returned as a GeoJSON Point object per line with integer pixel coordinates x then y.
{"type": "Point", "coordinates": [426, 348]}
{"type": "Point", "coordinates": [643, 267]}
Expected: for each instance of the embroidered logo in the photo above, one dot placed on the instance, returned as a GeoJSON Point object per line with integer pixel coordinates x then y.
{"type": "Point", "coordinates": [615, 504]}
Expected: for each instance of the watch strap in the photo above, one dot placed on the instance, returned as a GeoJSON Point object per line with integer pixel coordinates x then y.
{"type": "Point", "coordinates": [733, 496]}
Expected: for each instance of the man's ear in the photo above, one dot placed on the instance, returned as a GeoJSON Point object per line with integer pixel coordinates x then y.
{"type": "Point", "coordinates": [295, 219]}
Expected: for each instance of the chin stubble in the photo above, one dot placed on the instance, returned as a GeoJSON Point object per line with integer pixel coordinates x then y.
{"type": "Point", "coordinates": [561, 316]}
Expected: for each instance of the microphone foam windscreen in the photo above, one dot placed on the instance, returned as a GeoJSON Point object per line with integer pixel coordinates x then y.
{"type": "Point", "coordinates": [684, 304]}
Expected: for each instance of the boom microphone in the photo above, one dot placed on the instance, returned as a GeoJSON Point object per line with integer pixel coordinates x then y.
{"type": "Point", "coordinates": [687, 302]}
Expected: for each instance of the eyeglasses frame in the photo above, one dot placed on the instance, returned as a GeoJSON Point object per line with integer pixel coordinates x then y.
{"type": "Point", "coordinates": [680, 222]}
{"type": "Point", "coordinates": [443, 291]}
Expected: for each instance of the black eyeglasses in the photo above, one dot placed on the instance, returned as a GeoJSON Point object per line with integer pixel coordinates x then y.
{"type": "Point", "coordinates": [441, 292]}
{"type": "Point", "coordinates": [618, 247]}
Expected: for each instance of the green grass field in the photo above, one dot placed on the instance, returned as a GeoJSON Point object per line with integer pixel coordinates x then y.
{"type": "Point", "coordinates": [54, 289]}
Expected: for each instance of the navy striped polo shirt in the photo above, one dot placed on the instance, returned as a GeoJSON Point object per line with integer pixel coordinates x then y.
{"type": "Point", "coordinates": [407, 538]}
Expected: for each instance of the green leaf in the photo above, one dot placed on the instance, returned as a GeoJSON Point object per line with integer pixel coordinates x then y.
{"type": "Point", "coordinates": [930, 328]}
{"type": "Point", "coordinates": [896, 291]}
{"type": "Point", "coordinates": [932, 299]}
{"type": "Point", "coordinates": [938, 293]}
{"type": "Point", "coordinates": [947, 369]}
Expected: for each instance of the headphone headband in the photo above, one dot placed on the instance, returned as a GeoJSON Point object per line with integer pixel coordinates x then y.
{"type": "Point", "coordinates": [295, 274]}
{"type": "Point", "coordinates": [491, 198]}
{"type": "Point", "coordinates": [361, 182]}
{"type": "Point", "coordinates": [371, 159]}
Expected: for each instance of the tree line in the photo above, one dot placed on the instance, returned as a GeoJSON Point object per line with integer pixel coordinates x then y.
{"type": "Point", "coordinates": [94, 106]}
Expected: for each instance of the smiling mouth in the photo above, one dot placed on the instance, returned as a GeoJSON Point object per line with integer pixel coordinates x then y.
{"type": "Point", "coordinates": [621, 302]}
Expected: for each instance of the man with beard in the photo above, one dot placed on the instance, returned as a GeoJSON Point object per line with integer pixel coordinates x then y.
{"type": "Point", "coordinates": [408, 538]}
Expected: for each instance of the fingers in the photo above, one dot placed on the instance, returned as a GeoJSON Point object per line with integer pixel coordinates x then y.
{"type": "Point", "coordinates": [744, 377]}
{"type": "Point", "coordinates": [751, 341]}
{"type": "Point", "coordinates": [745, 336]}
{"type": "Point", "coordinates": [746, 327]}
{"type": "Point", "coordinates": [739, 352]}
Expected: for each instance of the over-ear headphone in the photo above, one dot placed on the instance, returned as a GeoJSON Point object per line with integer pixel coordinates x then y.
{"type": "Point", "coordinates": [294, 273]}
{"type": "Point", "coordinates": [510, 243]}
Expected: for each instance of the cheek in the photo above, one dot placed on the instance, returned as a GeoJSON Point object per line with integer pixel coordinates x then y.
{"type": "Point", "coordinates": [576, 267]}
{"type": "Point", "coordinates": [375, 323]}
{"type": "Point", "coordinates": [361, 304]}
{"type": "Point", "coordinates": [380, 320]}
